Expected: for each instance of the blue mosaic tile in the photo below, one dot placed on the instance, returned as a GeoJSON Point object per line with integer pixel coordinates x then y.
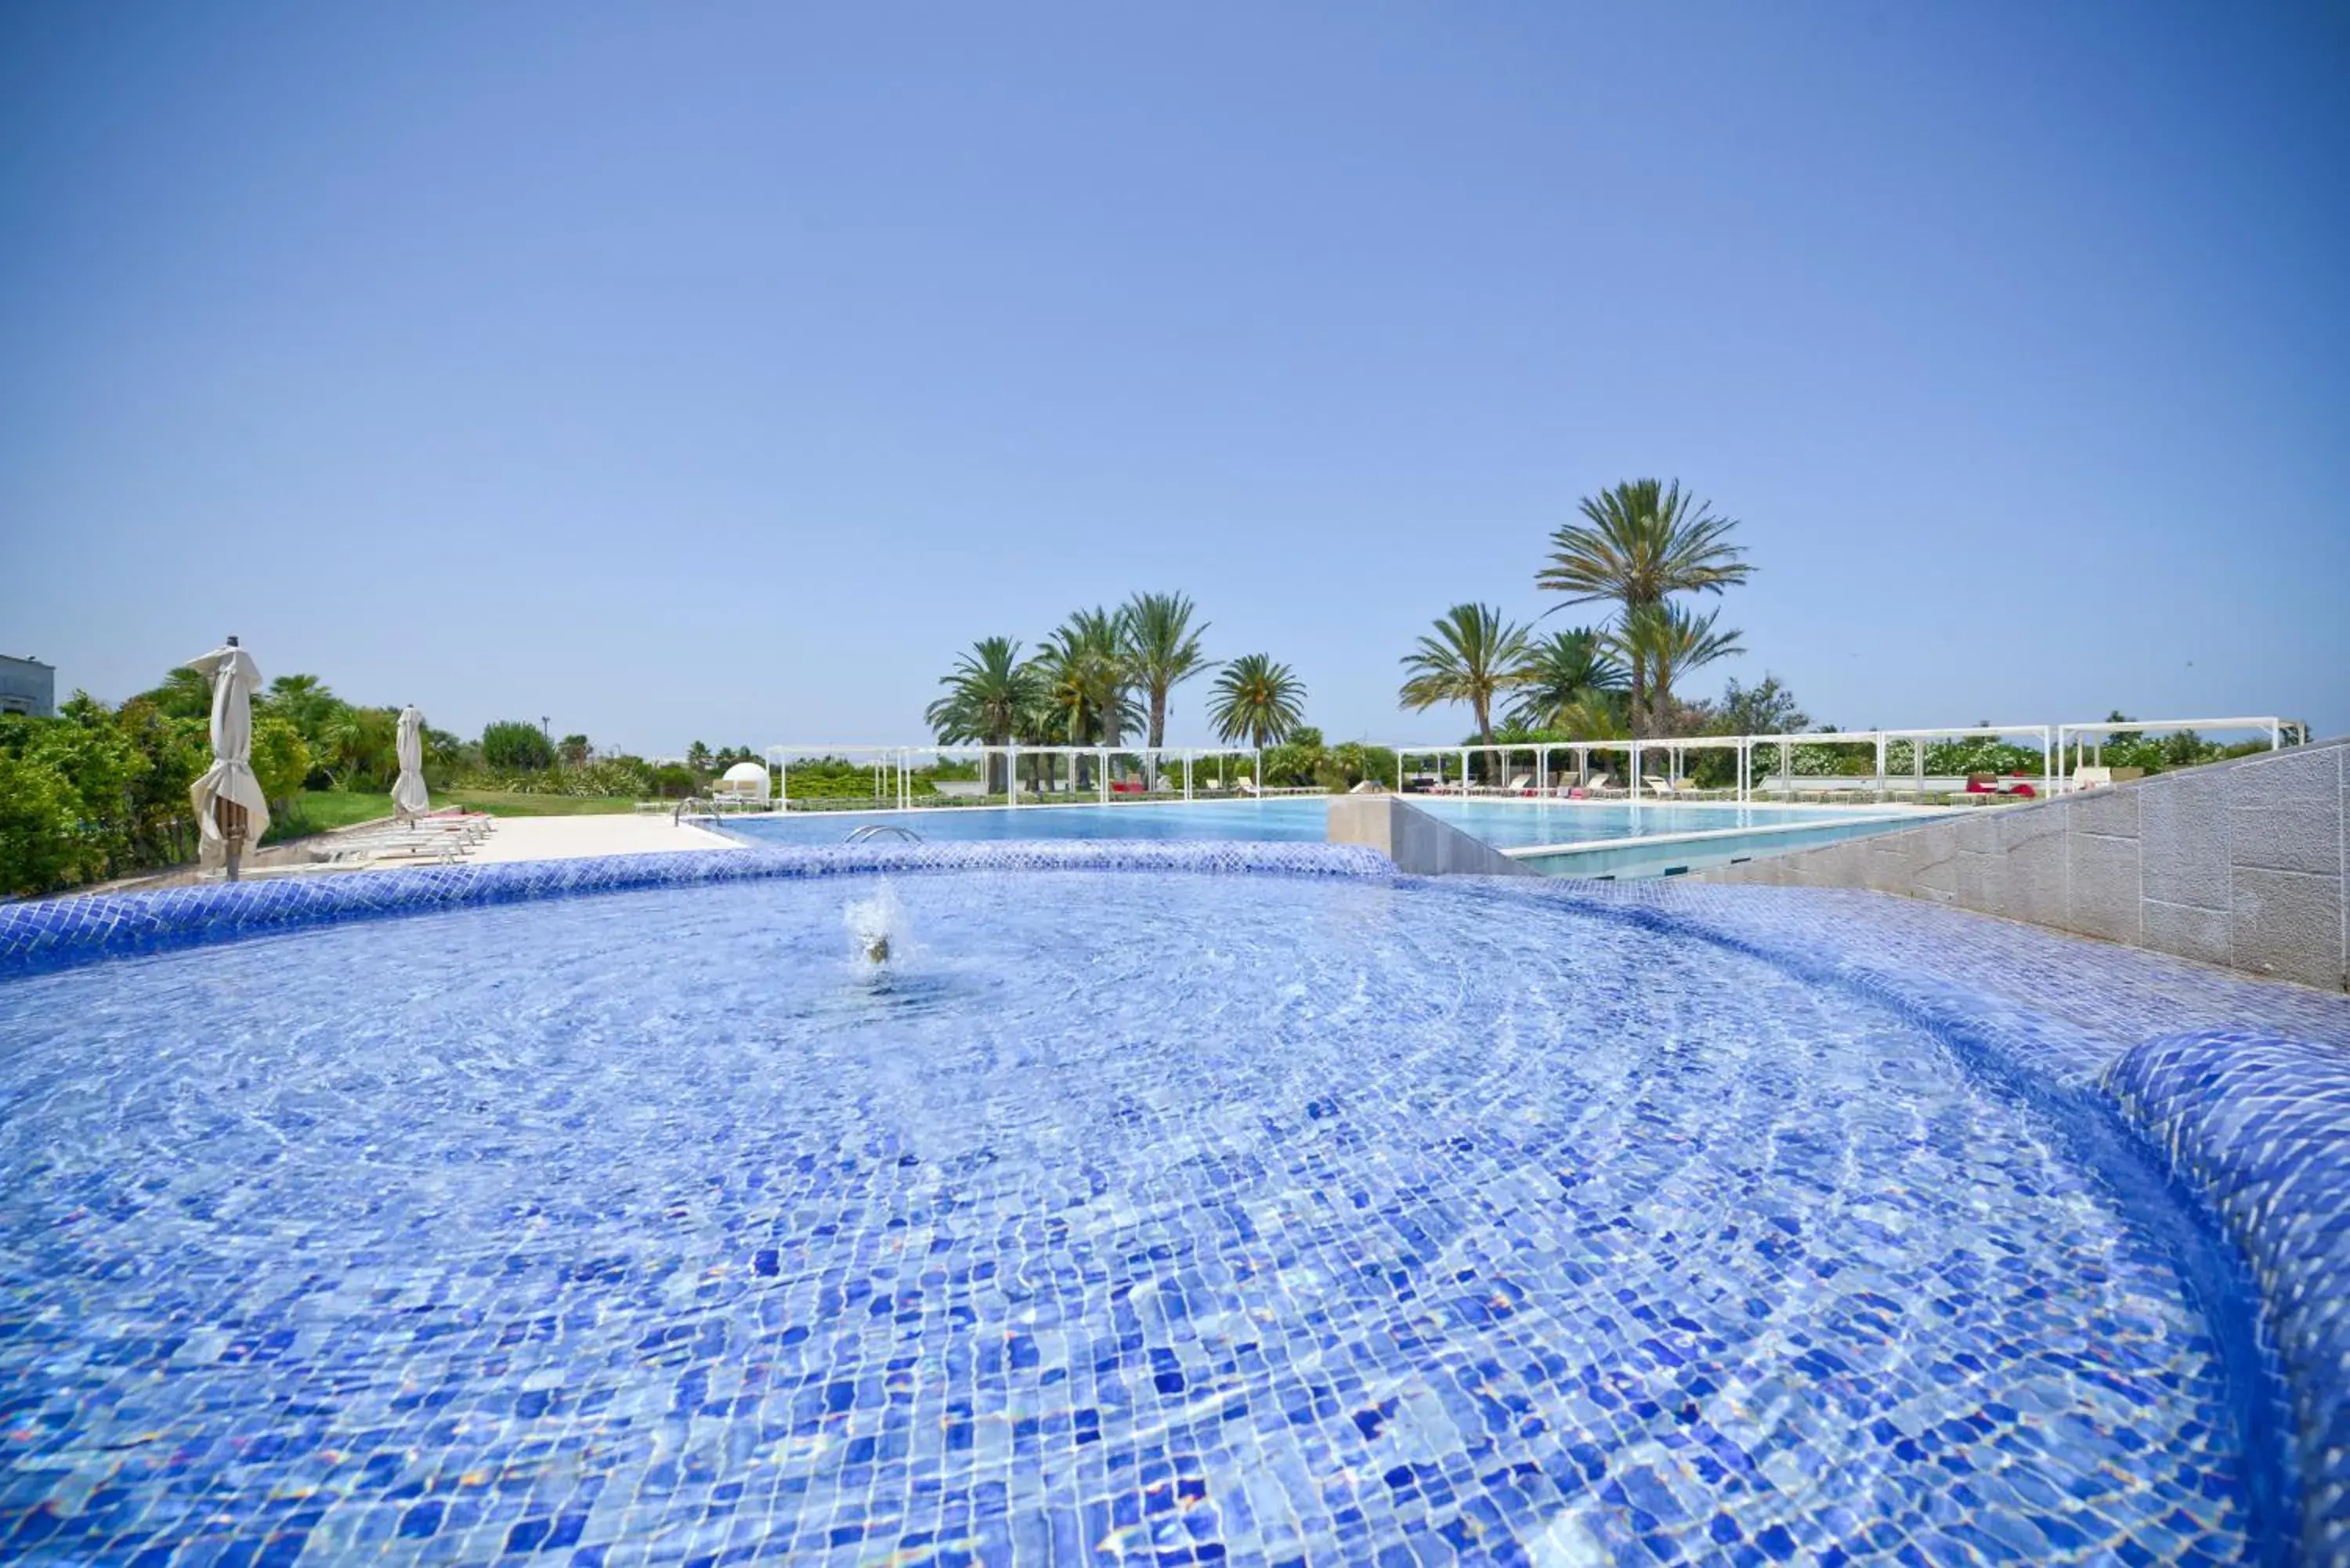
{"type": "Point", "coordinates": [2263, 1126]}
{"type": "Point", "coordinates": [1371, 1235]}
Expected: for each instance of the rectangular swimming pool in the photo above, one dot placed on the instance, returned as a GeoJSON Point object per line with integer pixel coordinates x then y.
{"type": "Point", "coordinates": [1509, 825]}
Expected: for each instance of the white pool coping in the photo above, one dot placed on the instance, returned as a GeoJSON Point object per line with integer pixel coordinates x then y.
{"type": "Point", "coordinates": [1700, 835]}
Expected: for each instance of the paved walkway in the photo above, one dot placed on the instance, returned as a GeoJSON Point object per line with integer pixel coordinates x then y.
{"type": "Point", "coordinates": [584, 838]}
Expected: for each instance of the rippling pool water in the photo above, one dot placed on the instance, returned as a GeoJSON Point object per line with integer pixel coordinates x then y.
{"type": "Point", "coordinates": [1505, 825]}
{"type": "Point", "coordinates": [1172, 1217]}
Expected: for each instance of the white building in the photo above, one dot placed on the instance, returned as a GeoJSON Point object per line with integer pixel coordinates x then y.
{"type": "Point", "coordinates": [27, 686]}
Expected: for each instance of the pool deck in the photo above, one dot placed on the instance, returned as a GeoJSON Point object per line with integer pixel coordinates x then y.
{"type": "Point", "coordinates": [586, 837]}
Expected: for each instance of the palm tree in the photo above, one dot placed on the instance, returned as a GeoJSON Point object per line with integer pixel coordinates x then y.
{"type": "Point", "coordinates": [1667, 641]}
{"type": "Point", "coordinates": [306, 702]}
{"type": "Point", "coordinates": [1565, 672]}
{"type": "Point", "coordinates": [1257, 700]}
{"type": "Point", "coordinates": [1641, 542]}
{"type": "Point", "coordinates": [1473, 655]}
{"type": "Point", "coordinates": [989, 694]}
{"type": "Point", "coordinates": [184, 694]}
{"type": "Point", "coordinates": [1162, 652]}
{"type": "Point", "coordinates": [1595, 716]}
{"type": "Point", "coordinates": [354, 745]}
{"type": "Point", "coordinates": [1081, 674]}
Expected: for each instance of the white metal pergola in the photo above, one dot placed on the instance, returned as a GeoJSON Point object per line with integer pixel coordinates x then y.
{"type": "Point", "coordinates": [1674, 748]}
{"type": "Point", "coordinates": [2075, 735]}
{"type": "Point", "coordinates": [1879, 739]}
{"type": "Point", "coordinates": [884, 762]}
{"type": "Point", "coordinates": [894, 767]}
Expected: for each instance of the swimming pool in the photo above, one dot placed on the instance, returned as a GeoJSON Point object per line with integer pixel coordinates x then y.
{"type": "Point", "coordinates": [1302, 819]}
{"type": "Point", "coordinates": [1179, 1217]}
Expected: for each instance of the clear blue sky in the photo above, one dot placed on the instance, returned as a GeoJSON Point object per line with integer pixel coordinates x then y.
{"type": "Point", "coordinates": [720, 372]}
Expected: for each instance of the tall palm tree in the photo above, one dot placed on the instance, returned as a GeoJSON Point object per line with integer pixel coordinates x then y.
{"type": "Point", "coordinates": [1257, 700]}
{"type": "Point", "coordinates": [1669, 641]}
{"type": "Point", "coordinates": [1563, 671]}
{"type": "Point", "coordinates": [989, 694]}
{"type": "Point", "coordinates": [1473, 656]}
{"type": "Point", "coordinates": [1162, 652]}
{"type": "Point", "coordinates": [1083, 667]}
{"type": "Point", "coordinates": [1638, 543]}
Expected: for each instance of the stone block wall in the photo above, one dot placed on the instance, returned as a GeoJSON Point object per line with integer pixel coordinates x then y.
{"type": "Point", "coordinates": [2242, 864]}
{"type": "Point", "coordinates": [1415, 841]}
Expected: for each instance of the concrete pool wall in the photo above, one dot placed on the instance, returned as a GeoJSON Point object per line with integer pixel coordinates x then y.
{"type": "Point", "coordinates": [2242, 864]}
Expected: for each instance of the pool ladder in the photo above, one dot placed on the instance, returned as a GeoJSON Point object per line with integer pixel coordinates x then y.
{"type": "Point", "coordinates": [873, 830]}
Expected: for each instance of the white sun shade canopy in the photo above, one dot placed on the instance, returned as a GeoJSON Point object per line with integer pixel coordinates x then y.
{"type": "Point", "coordinates": [234, 678]}
{"type": "Point", "coordinates": [409, 796]}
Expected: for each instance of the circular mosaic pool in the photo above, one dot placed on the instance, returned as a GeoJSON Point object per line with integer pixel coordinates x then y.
{"type": "Point", "coordinates": [1169, 1218]}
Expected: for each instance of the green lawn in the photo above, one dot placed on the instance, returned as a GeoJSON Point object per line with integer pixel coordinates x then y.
{"type": "Point", "coordinates": [320, 810]}
{"type": "Point", "coordinates": [500, 805]}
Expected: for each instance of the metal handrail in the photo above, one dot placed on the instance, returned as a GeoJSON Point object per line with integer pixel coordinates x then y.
{"type": "Point", "coordinates": [876, 829]}
{"type": "Point", "coordinates": [709, 809]}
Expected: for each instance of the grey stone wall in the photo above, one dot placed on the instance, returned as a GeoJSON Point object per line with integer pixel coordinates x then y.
{"type": "Point", "coordinates": [2242, 864]}
{"type": "Point", "coordinates": [1416, 841]}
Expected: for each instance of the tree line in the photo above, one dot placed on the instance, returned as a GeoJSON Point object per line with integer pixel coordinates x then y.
{"type": "Point", "coordinates": [1638, 546]}
{"type": "Point", "coordinates": [98, 791]}
{"type": "Point", "coordinates": [1105, 677]}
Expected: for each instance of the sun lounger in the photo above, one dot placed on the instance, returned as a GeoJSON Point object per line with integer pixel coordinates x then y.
{"type": "Point", "coordinates": [1659, 786]}
{"type": "Point", "coordinates": [2093, 778]}
{"type": "Point", "coordinates": [1517, 785]}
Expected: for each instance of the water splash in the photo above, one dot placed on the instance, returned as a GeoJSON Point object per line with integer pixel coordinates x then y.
{"type": "Point", "coordinates": [876, 926]}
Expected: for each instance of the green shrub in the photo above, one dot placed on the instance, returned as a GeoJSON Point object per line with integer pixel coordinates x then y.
{"type": "Point", "coordinates": [38, 845]}
{"type": "Point", "coordinates": [511, 746]}
{"type": "Point", "coordinates": [605, 778]}
{"type": "Point", "coordinates": [281, 760]}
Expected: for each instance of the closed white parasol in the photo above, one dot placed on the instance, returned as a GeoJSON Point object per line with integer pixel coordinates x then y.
{"type": "Point", "coordinates": [231, 813]}
{"type": "Point", "coordinates": [408, 794]}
